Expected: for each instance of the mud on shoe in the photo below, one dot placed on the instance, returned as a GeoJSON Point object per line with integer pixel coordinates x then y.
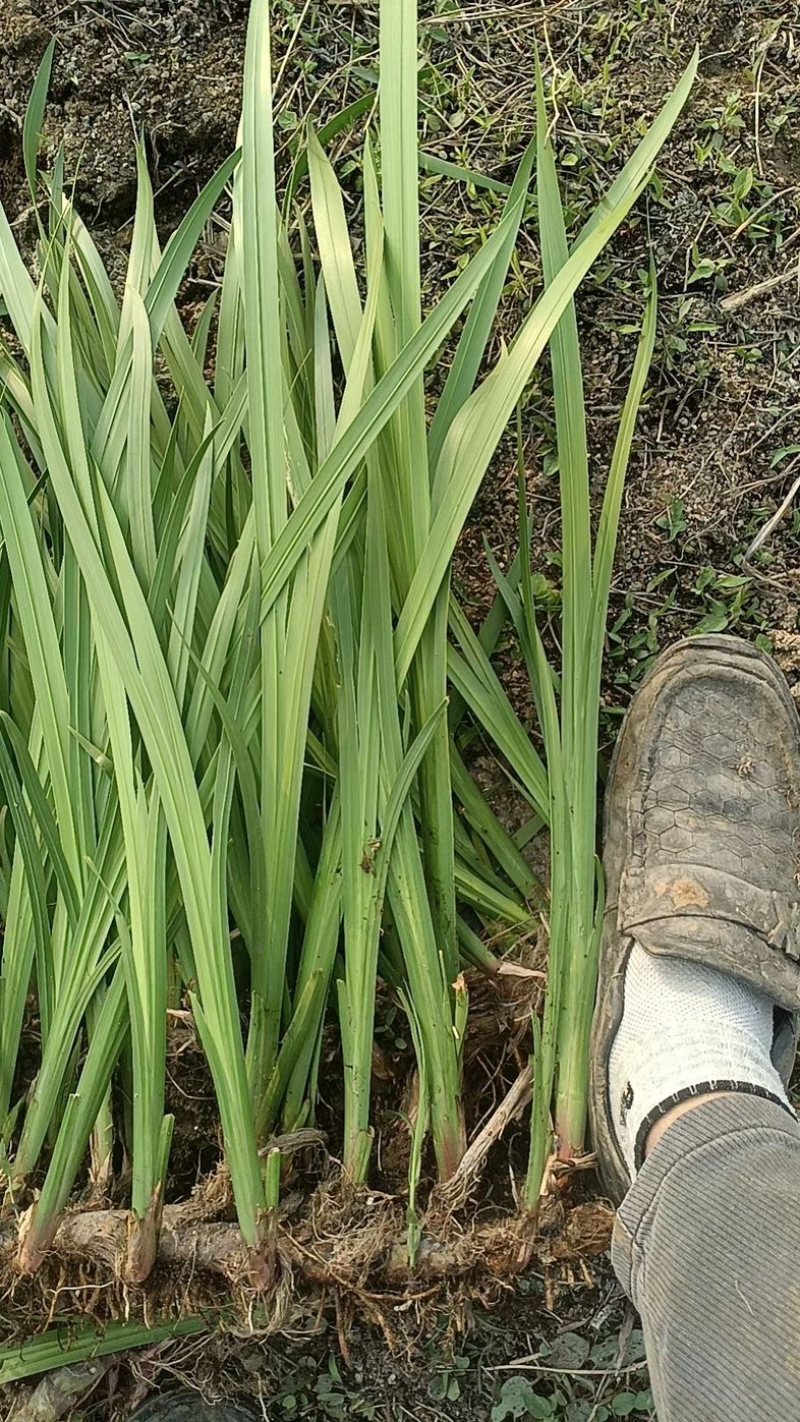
{"type": "Point", "coordinates": [699, 978]}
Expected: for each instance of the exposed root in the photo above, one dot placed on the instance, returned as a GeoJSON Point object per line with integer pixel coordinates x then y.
{"type": "Point", "coordinates": [101, 1238]}
{"type": "Point", "coordinates": [344, 1257]}
{"type": "Point", "coordinates": [337, 1248]}
{"type": "Point", "coordinates": [348, 1242]}
{"type": "Point", "coordinates": [135, 1260]}
{"type": "Point", "coordinates": [142, 1245]}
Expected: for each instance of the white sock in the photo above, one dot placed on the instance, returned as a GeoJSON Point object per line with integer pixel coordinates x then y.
{"type": "Point", "coordinates": [683, 1026]}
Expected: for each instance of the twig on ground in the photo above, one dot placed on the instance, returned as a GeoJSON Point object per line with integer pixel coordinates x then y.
{"type": "Point", "coordinates": [772, 523]}
{"type": "Point", "coordinates": [528, 1365]}
{"type": "Point", "coordinates": [736, 299]}
{"type": "Point", "coordinates": [454, 1192]}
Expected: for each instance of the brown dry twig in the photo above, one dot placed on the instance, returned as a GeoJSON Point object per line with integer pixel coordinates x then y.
{"type": "Point", "coordinates": [453, 1193]}
{"type": "Point", "coordinates": [736, 299]}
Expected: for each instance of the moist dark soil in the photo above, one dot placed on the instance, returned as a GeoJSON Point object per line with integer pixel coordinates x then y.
{"type": "Point", "coordinates": [716, 456]}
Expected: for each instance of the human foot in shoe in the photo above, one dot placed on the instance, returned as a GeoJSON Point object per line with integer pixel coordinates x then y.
{"type": "Point", "coordinates": [699, 976]}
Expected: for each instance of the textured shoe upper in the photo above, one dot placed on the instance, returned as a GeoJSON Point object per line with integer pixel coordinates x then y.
{"type": "Point", "coordinates": [714, 824]}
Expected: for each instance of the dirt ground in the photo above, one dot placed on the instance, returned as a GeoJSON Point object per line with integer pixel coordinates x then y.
{"type": "Point", "coordinates": [715, 460]}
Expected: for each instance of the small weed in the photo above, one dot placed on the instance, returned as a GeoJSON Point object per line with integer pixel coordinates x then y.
{"type": "Point", "coordinates": [322, 1393]}
{"type": "Point", "coordinates": [673, 520]}
{"type": "Point", "coordinates": [598, 1382]}
{"type": "Point", "coordinates": [446, 1384]}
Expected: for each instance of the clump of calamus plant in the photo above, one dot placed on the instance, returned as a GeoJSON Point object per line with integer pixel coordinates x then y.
{"type": "Point", "coordinates": [236, 686]}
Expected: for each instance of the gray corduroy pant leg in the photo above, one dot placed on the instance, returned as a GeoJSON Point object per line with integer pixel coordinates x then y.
{"type": "Point", "coordinates": [707, 1245]}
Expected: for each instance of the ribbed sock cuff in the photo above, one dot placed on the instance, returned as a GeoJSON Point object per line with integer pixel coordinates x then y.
{"type": "Point", "coordinates": [701, 1088]}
